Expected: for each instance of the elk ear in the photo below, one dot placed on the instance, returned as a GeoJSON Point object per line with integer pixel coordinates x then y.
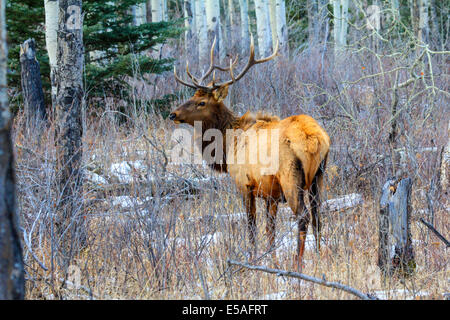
{"type": "Point", "coordinates": [221, 93]}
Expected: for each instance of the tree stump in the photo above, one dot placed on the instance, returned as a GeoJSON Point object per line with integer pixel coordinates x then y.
{"type": "Point", "coordinates": [395, 252]}
{"type": "Point", "coordinates": [33, 94]}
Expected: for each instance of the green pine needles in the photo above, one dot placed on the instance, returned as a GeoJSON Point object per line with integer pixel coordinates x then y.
{"type": "Point", "coordinates": [114, 48]}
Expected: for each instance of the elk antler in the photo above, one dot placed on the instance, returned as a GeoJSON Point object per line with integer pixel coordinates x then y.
{"type": "Point", "coordinates": [197, 82]}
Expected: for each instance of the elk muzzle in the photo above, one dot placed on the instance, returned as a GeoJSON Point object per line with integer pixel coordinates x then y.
{"type": "Point", "coordinates": [175, 118]}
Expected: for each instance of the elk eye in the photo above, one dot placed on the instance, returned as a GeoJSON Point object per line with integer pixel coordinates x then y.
{"type": "Point", "coordinates": [201, 104]}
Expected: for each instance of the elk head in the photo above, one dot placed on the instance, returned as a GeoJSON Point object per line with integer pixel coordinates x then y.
{"type": "Point", "coordinates": [207, 103]}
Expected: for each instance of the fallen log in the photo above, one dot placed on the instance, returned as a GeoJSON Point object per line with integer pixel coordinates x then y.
{"type": "Point", "coordinates": [343, 203]}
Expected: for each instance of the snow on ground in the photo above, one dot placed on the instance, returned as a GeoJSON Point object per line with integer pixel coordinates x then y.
{"type": "Point", "coordinates": [285, 243]}
{"type": "Point", "coordinates": [280, 295]}
{"type": "Point", "coordinates": [398, 294]}
{"type": "Point", "coordinates": [95, 178]}
{"type": "Point", "coordinates": [125, 171]}
{"type": "Point", "coordinates": [125, 202]}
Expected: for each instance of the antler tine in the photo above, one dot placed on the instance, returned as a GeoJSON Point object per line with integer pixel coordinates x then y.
{"type": "Point", "coordinates": [212, 66]}
{"type": "Point", "coordinates": [197, 83]}
{"type": "Point", "coordinates": [273, 55]}
{"type": "Point", "coordinates": [194, 85]}
{"type": "Point", "coordinates": [250, 63]}
{"type": "Point", "coordinates": [182, 81]}
{"type": "Point", "coordinates": [231, 70]}
{"type": "Point", "coordinates": [211, 63]}
{"type": "Point", "coordinates": [194, 79]}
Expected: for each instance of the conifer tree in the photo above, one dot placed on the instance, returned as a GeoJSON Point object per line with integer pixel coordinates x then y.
{"type": "Point", "coordinates": [108, 28]}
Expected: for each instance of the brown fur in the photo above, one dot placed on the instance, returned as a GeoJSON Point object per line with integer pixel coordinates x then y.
{"type": "Point", "coordinates": [303, 150]}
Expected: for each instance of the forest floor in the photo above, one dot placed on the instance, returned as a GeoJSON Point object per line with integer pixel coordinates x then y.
{"type": "Point", "coordinates": [160, 230]}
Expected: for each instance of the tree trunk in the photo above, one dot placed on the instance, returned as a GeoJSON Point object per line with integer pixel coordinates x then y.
{"type": "Point", "coordinates": [213, 22]}
{"type": "Point", "coordinates": [12, 283]}
{"type": "Point", "coordinates": [139, 14]}
{"type": "Point", "coordinates": [51, 35]}
{"type": "Point", "coordinates": [414, 9]}
{"type": "Point", "coordinates": [33, 95]}
{"type": "Point", "coordinates": [233, 26]}
{"type": "Point", "coordinates": [245, 31]}
{"type": "Point", "coordinates": [202, 34]}
{"type": "Point", "coordinates": [282, 31]}
{"type": "Point", "coordinates": [189, 24]}
{"type": "Point", "coordinates": [157, 14]}
{"type": "Point", "coordinates": [263, 27]}
{"type": "Point", "coordinates": [340, 12]}
{"type": "Point", "coordinates": [434, 27]}
{"type": "Point", "coordinates": [395, 252]}
{"type": "Point", "coordinates": [273, 21]}
{"type": "Point", "coordinates": [336, 24]}
{"type": "Point", "coordinates": [317, 19]}
{"type": "Point", "coordinates": [424, 27]}
{"type": "Point", "coordinates": [164, 10]}
{"type": "Point", "coordinates": [312, 10]}
{"type": "Point", "coordinates": [344, 23]}
{"type": "Point", "coordinates": [69, 130]}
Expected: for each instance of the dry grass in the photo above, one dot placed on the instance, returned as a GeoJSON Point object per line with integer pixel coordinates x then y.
{"type": "Point", "coordinates": [157, 243]}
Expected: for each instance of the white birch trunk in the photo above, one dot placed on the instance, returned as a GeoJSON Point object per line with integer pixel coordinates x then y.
{"type": "Point", "coordinates": [225, 27]}
{"type": "Point", "coordinates": [164, 10]}
{"type": "Point", "coordinates": [213, 23]}
{"type": "Point", "coordinates": [231, 10]}
{"type": "Point", "coordinates": [424, 29]}
{"type": "Point", "coordinates": [202, 33]}
{"type": "Point", "coordinates": [157, 14]}
{"type": "Point", "coordinates": [282, 31]}
{"type": "Point", "coordinates": [189, 24]}
{"type": "Point", "coordinates": [139, 14]}
{"type": "Point", "coordinates": [232, 28]}
{"type": "Point", "coordinates": [344, 23]}
{"type": "Point", "coordinates": [51, 37]}
{"type": "Point", "coordinates": [336, 23]}
{"type": "Point", "coordinates": [245, 31]}
{"type": "Point", "coordinates": [273, 20]}
{"type": "Point", "coordinates": [340, 12]}
{"type": "Point", "coordinates": [263, 27]}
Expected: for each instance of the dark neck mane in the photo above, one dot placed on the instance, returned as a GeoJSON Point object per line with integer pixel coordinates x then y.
{"type": "Point", "coordinates": [222, 121]}
{"type": "Point", "coordinates": [225, 120]}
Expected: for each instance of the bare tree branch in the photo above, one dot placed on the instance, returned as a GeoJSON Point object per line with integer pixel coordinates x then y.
{"type": "Point", "coordinates": [440, 236]}
{"type": "Point", "coordinates": [305, 277]}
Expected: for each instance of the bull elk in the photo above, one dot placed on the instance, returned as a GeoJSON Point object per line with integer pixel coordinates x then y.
{"type": "Point", "coordinates": [302, 152]}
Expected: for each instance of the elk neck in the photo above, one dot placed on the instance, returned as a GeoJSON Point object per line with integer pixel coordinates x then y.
{"type": "Point", "coordinates": [223, 119]}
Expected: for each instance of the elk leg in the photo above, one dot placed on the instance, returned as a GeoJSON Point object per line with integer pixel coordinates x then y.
{"type": "Point", "coordinates": [272, 208]}
{"type": "Point", "coordinates": [292, 182]}
{"type": "Point", "coordinates": [314, 200]}
{"type": "Point", "coordinates": [302, 231]}
{"type": "Point", "coordinates": [250, 207]}
{"type": "Point", "coordinates": [297, 204]}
